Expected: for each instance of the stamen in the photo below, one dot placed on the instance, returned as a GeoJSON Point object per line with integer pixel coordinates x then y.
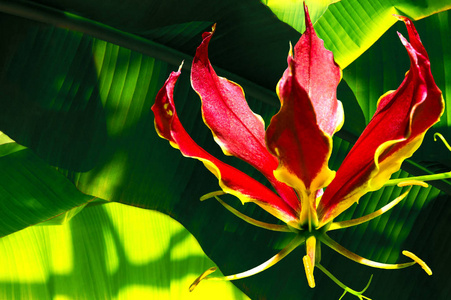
{"type": "Point", "coordinates": [298, 240]}
{"type": "Point", "coordinates": [412, 182]}
{"type": "Point", "coordinates": [309, 260]}
{"type": "Point", "coordinates": [357, 258]}
{"type": "Point", "coordinates": [202, 276]}
{"type": "Point", "coordinates": [443, 140]}
{"type": "Point", "coordinates": [211, 195]}
{"type": "Point", "coordinates": [418, 261]}
{"type": "Point", "coordinates": [343, 286]}
{"type": "Point", "coordinates": [273, 227]}
{"type": "Point", "coordinates": [309, 271]}
{"type": "Point", "coordinates": [377, 213]}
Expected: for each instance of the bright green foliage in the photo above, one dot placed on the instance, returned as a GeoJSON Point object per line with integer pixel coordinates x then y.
{"type": "Point", "coordinates": [105, 252]}
{"type": "Point", "coordinates": [349, 28]}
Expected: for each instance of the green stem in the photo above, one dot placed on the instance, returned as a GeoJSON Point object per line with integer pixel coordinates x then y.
{"type": "Point", "coordinates": [343, 286]}
{"type": "Point", "coordinates": [440, 176]}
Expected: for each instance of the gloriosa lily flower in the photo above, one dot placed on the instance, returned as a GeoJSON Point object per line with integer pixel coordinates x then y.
{"type": "Point", "coordinates": [294, 150]}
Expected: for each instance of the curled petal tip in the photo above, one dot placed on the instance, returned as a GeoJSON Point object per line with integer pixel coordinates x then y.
{"type": "Point", "coordinates": [181, 66]}
{"type": "Point", "coordinates": [201, 277]}
{"type": "Point", "coordinates": [402, 18]}
{"type": "Point", "coordinates": [403, 40]}
{"type": "Point", "coordinates": [399, 17]}
{"type": "Point", "coordinates": [308, 21]}
{"type": "Point", "coordinates": [206, 34]}
{"type": "Point", "coordinates": [290, 52]}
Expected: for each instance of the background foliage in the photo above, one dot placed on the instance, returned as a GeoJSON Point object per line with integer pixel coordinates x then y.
{"type": "Point", "coordinates": [77, 81]}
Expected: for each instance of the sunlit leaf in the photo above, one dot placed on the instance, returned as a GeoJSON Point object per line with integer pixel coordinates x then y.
{"type": "Point", "coordinates": [292, 11]}
{"type": "Point", "coordinates": [350, 27]}
{"type": "Point", "coordinates": [106, 252]}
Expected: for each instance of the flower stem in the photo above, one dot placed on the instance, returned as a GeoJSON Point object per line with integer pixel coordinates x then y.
{"type": "Point", "coordinates": [440, 176]}
{"type": "Point", "coordinates": [343, 286]}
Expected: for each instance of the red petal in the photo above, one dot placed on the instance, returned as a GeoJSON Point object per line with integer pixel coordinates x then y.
{"type": "Point", "coordinates": [230, 179]}
{"type": "Point", "coordinates": [300, 133]}
{"type": "Point", "coordinates": [319, 75]}
{"type": "Point", "coordinates": [237, 130]}
{"type": "Point", "coordinates": [394, 133]}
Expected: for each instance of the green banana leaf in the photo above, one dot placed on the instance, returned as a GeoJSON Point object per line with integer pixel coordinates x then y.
{"type": "Point", "coordinates": [82, 105]}
{"type": "Point", "coordinates": [349, 28]}
{"type": "Point", "coordinates": [292, 11]}
{"type": "Point", "coordinates": [105, 252]}
{"type": "Point", "coordinates": [32, 191]}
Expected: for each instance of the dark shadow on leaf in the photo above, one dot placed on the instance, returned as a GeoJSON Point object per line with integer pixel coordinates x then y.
{"type": "Point", "coordinates": [49, 94]}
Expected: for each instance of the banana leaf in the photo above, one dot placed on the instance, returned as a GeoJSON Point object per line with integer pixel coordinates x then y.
{"type": "Point", "coordinates": [105, 252]}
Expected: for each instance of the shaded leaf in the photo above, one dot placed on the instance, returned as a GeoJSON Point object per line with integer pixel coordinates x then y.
{"type": "Point", "coordinates": [31, 191]}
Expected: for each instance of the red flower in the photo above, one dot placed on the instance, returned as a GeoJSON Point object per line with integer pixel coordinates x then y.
{"type": "Point", "coordinates": [293, 152]}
